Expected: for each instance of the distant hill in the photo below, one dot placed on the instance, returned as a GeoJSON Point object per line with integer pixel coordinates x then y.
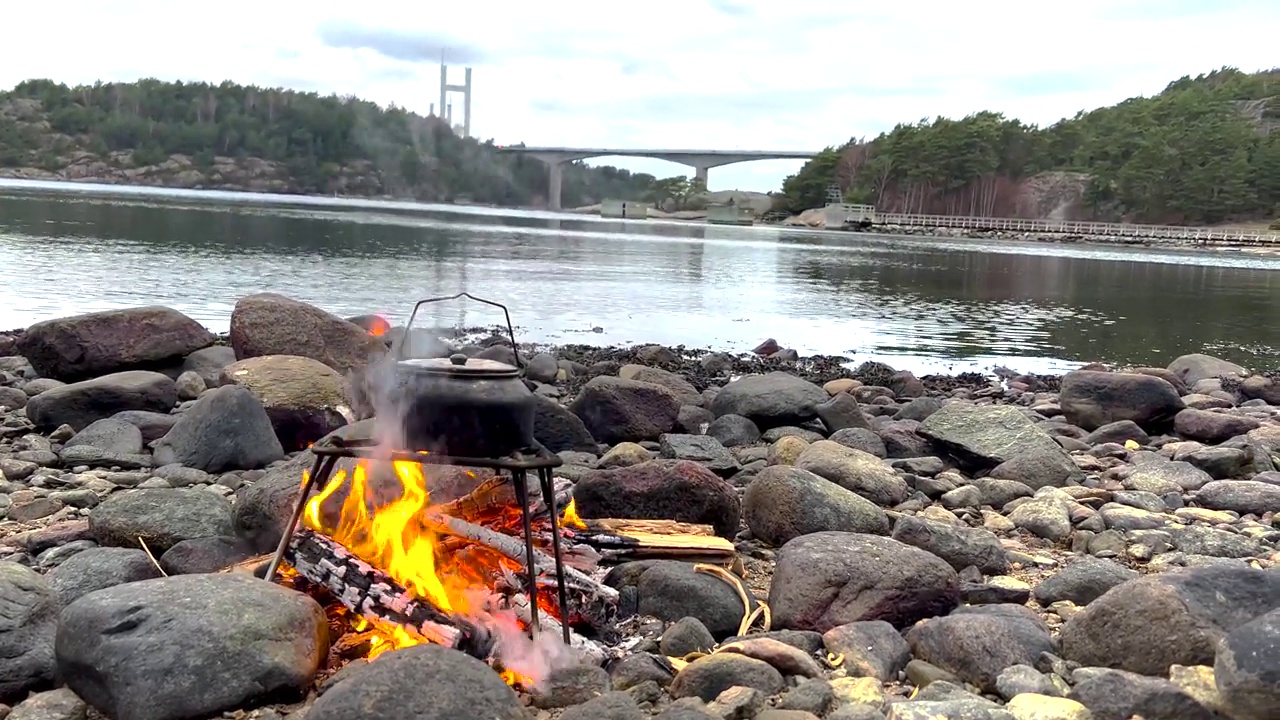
{"type": "Point", "coordinates": [236, 137]}
{"type": "Point", "coordinates": [1206, 150]}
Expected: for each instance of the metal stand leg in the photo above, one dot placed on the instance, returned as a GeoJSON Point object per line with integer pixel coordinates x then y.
{"type": "Point", "coordinates": [322, 468]}
{"type": "Point", "coordinates": [519, 480]}
{"type": "Point", "coordinates": [546, 483]}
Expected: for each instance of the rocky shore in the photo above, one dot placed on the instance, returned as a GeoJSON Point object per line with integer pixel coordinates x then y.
{"type": "Point", "coordinates": [1104, 545]}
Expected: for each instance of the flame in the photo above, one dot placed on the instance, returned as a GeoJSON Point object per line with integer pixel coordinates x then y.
{"type": "Point", "coordinates": [384, 636]}
{"type": "Point", "coordinates": [379, 326]}
{"type": "Point", "coordinates": [571, 518]}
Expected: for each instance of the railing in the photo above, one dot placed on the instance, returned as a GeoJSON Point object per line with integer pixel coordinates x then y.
{"type": "Point", "coordinates": [1095, 229]}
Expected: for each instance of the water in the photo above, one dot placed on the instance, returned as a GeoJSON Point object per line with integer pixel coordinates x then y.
{"type": "Point", "coordinates": [920, 303]}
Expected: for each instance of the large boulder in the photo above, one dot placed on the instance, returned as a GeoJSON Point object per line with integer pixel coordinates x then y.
{"type": "Point", "coordinates": [827, 579]}
{"type": "Point", "coordinates": [960, 545]}
{"type": "Point", "coordinates": [263, 508]}
{"type": "Point", "coordinates": [28, 619]}
{"type": "Point", "coordinates": [79, 404]}
{"type": "Point", "coordinates": [272, 324]}
{"type": "Point", "coordinates": [671, 590]}
{"type": "Point", "coordinates": [1211, 427]}
{"type": "Point", "coordinates": [1246, 669]}
{"type": "Point", "coordinates": [855, 470]}
{"type": "Point", "coordinates": [1002, 439]}
{"type": "Point", "coordinates": [189, 646]}
{"type": "Point", "coordinates": [1091, 399]}
{"type": "Point", "coordinates": [99, 343]}
{"type": "Point", "coordinates": [679, 490]}
{"type": "Point", "coordinates": [687, 393]}
{"type": "Point", "coordinates": [1149, 623]}
{"type": "Point", "coordinates": [783, 503]}
{"type": "Point", "coordinates": [304, 398]}
{"type": "Point", "coordinates": [1195, 367]}
{"type": "Point", "coordinates": [615, 410]}
{"type": "Point", "coordinates": [226, 429]}
{"type": "Point", "coordinates": [771, 400]}
{"type": "Point", "coordinates": [159, 517]}
{"type": "Point", "coordinates": [558, 429]}
{"type": "Point", "coordinates": [978, 647]}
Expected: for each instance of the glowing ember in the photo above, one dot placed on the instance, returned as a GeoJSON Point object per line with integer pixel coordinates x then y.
{"type": "Point", "coordinates": [384, 636]}
{"type": "Point", "coordinates": [379, 326]}
{"type": "Point", "coordinates": [570, 517]}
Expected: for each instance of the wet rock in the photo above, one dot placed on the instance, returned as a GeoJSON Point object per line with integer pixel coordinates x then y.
{"type": "Point", "coordinates": [1242, 496]}
{"type": "Point", "coordinates": [702, 449]}
{"type": "Point", "coordinates": [960, 546]}
{"type": "Point", "coordinates": [1211, 427]}
{"type": "Point", "coordinates": [204, 555]}
{"type": "Point", "coordinates": [28, 619]}
{"type": "Point", "coordinates": [977, 648]}
{"type": "Point", "coordinates": [709, 676]}
{"type": "Point", "coordinates": [660, 489]}
{"type": "Point", "coordinates": [1246, 668]}
{"type": "Point", "coordinates": [100, 343]}
{"type": "Point", "coordinates": [111, 435]}
{"type": "Point", "coordinates": [872, 648]}
{"type": "Point", "coordinates": [771, 400]}
{"type": "Point", "coordinates": [559, 430]}
{"type": "Point", "coordinates": [272, 324]}
{"type": "Point", "coordinates": [208, 363]}
{"type": "Point", "coordinates": [1082, 581]}
{"type": "Point", "coordinates": [226, 429]}
{"type": "Point", "coordinates": [1119, 695]}
{"type": "Point", "coordinates": [1000, 438]}
{"type": "Point", "coordinates": [160, 517]}
{"type": "Point", "coordinates": [1091, 399]}
{"type": "Point", "coordinates": [1149, 623]}
{"type": "Point", "coordinates": [827, 579]}
{"type": "Point", "coordinates": [616, 410]}
{"type": "Point", "coordinates": [79, 404]}
{"type": "Point", "coordinates": [854, 470]}
{"type": "Point", "coordinates": [97, 568]}
{"type": "Point", "coordinates": [671, 591]}
{"type": "Point", "coordinates": [304, 398]}
{"type": "Point", "coordinates": [733, 430]}
{"type": "Point", "coordinates": [783, 503]}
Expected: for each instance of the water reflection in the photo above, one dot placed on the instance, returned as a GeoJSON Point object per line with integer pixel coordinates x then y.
{"type": "Point", "coordinates": [919, 303]}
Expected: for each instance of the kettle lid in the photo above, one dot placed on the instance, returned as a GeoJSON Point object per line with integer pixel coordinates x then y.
{"type": "Point", "coordinates": [459, 365]}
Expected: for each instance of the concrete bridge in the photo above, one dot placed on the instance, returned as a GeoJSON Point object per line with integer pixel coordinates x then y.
{"type": "Point", "coordinates": [699, 160]}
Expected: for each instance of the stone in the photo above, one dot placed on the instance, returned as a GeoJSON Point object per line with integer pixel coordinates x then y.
{"type": "Point", "coordinates": [1146, 624]}
{"type": "Point", "coordinates": [1000, 438]}
{"type": "Point", "coordinates": [660, 490]}
{"type": "Point", "coordinates": [152, 425]}
{"type": "Point", "coordinates": [96, 568]}
{"type": "Point", "coordinates": [1246, 668]}
{"type": "Point", "coordinates": [1120, 432]}
{"type": "Point", "coordinates": [1091, 399]}
{"type": "Point", "coordinates": [771, 400]}
{"type": "Point", "coordinates": [78, 404]}
{"type": "Point", "coordinates": [840, 412]}
{"type": "Point", "coordinates": [1046, 517]}
{"type": "Point", "coordinates": [1082, 581]}
{"type": "Point", "coordinates": [1241, 496]}
{"type": "Point", "coordinates": [977, 648]}
{"type": "Point", "coordinates": [733, 430]}
{"type": "Point", "coordinates": [1020, 679]}
{"type": "Point", "coordinates": [560, 430]}
{"type": "Point", "coordinates": [1211, 427]}
{"type": "Point", "coordinates": [1035, 706]}
{"type": "Point", "coordinates": [1119, 695]}
{"type": "Point", "coordinates": [680, 387]}
{"type": "Point", "coordinates": [1162, 477]}
{"type": "Point", "coordinates": [685, 636]}
{"type": "Point", "coordinates": [226, 429]}
{"type": "Point", "coordinates": [28, 620]}
{"type": "Point", "coordinates": [110, 434]}
{"type": "Point", "coordinates": [782, 503]}
{"type": "Point", "coordinates": [826, 579]}
{"type": "Point", "coordinates": [1195, 367]}
{"type": "Point", "coordinates": [711, 675]}
{"type": "Point", "coordinates": [100, 343]}
{"type": "Point", "coordinates": [960, 546]}
{"type": "Point", "coordinates": [854, 470]}
{"type": "Point", "coordinates": [208, 363]}
{"type": "Point", "coordinates": [871, 648]}
{"type": "Point", "coordinates": [60, 704]}
{"type": "Point", "coordinates": [702, 449]}
{"type": "Point", "coordinates": [304, 398]}
{"type": "Point", "coordinates": [160, 517]}
{"type": "Point", "coordinates": [263, 508]}
{"type": "Point", "coordinates": [861, 439]}
{"type": "Point", "coordinates": [272, 324]}
{"type": "Point", "coordinates": [189, 385]}
{"type": "Point", "coordinates": [616, 410]}
{"type": "Point", "coordinates": [609, 706]}
{"type": "Point", "coordinates": [204, 555]}
{"type": "Point", "coordinates": [671, 590]}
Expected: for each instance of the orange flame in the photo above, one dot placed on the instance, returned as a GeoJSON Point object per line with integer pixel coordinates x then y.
{"type": "Point", "coordinates": [571, 518]}
{"type": "Point", "coordinates": [379, 326]}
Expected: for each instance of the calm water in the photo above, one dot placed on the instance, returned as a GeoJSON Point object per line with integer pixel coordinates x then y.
{"type": "Point", "coordinates": [924, 304]}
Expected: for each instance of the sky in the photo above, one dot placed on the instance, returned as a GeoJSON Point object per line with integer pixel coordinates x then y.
{"type": "Point", "coordinates": [704, 74]}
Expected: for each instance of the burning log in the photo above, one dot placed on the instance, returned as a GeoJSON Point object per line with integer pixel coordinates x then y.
{"type": "Point", "coordinates": [497, 494]}
{"type": "Point", "coordinates": [589, 649]}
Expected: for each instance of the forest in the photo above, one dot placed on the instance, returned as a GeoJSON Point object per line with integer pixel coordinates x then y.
{"type": "Point", "coordinates": [1206, 150]}
{"type": "Point", "coordinates": [313, 141]}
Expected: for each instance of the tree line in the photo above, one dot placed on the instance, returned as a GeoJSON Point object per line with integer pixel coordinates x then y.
{"type": "Point", "coordinates": [315, 137]}
{"type": "Point", "coordinates": [1205, 150]}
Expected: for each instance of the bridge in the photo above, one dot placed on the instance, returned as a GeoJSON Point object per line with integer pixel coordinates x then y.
{"type": "Point", "coordinates": [700, 160]}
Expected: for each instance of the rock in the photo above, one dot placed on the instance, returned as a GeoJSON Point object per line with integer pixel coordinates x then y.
{"type": "Point", "coordinates": [85, 346]}
{"type": "Point", "coordinates": [110, 434]}
{"type": "Point", "coordinates": [1242, 496]}
{"type": "Point", "coordinates": [1211, 427]}
{"type": "Point", "coordinates": [616, 410]}
{"type": "Point", "coordinates": [1163, 478]}
{"type": "Point", "coordinates": [96, 568]}
{"type": "Point", "coordinates": [1119, 432]}
{"type": "Point", "coordinates": [840, 412]}
{"type": "Point", "coordinates": [684, 636]}
{"type": "Point", "coordinates": [609, 706]}
{"type": "Point", "coordinates": [771, 400]}
{"type": "Point", "coordinates": [1261, 388]}
{"type": "Point", "coordinates": [1082, 581]}
{"type": "Point", "coordinates": [60, 704]}
{"type": "Point", "coordinates": [1195, 367]}
{"type": "Point", "coordinates": [854, 470]}
{"type": "Point", "coordinates": [1046, 517]}
{"type": "Point", "coordinates": [671, 590]}
{"type": "Point", "coordinates": [189, 385]}
{"type": "Point", "coordinates": [733, 430]}
{"type": "Point", "coordinates": [1091, 399]}
{"type": "Point", "coordinates": [543, 368]}
{"type": "Point", "coordinates": [208, 363]}
{"type": "Point", "coordinates": [660, 490]}
{"type": "Point", "coordinates": [902, 441]}
{"type": "Point", "coordinates": [976, 648]}
{"type": "Point", "coordinates": [160, 517]}
{"type": "Point", "coordinates": [709, 676]}
{"type": "Point", "coordinates": [559, 430]}
{"type": "Point", "coordinates": [1020, 679]}
{"type": "Point", "coordinates": [152, 425]}
{"type": "Point", "coordinates": [702, 449]}
{"type": "Point", "coordinates": [571, 685]}
{"type": "Point", "coordinates": [204, 555]}
{"type": "Point", "coordinates": [304, 398]}
{"type": "Point", "coordinates": [782, 503]}
{"type": "Point", "coordinates": [189, 646]}
{"type": "Point", "coordinates": [28, 619]}
{"type": "Point", "coordinates": [1246, 668]}
{"type": "Point", "coordinates": [827, 579]}
{"type": "Point", "coordinates": [271, 324]}
{"type": "Point", "coordinates": [1119, 695]}
{"type": "Point", "coordinates": [1000, 438]}
{"type": "Point", "coordinates": [1034, 706]}
{"type": "Point", "coordinates": [263, 508]}
{"type": "Point", "coordinates": [679, 387]}
{"type": "Point", "coordinates": [226, 429]}
{"type": "Point", "coordinates": [1212, 542]}
{"type": "Point", "coordinates": [1149, 623]}
{"type": "Point", "coordinates": [11, 398]}
{"type": "Point", "coordinates": [80, 403]}
{"type": "Point", "coordinates": [960, 546]}
{"type": "Point", "coordinates": [873, 648]}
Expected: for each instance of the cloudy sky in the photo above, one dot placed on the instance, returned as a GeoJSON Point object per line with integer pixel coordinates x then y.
{"type": "Point", "coordinates": [718, 74]}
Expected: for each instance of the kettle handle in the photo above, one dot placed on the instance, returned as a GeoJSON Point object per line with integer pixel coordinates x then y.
{"type": "Point", "coordinates": [511, 331]}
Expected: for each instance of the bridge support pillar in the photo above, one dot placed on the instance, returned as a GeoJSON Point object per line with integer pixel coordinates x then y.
{"type": "Point", "coordinates": [555, 182]}
{"type": "Point", "coordinates": [700, 173]}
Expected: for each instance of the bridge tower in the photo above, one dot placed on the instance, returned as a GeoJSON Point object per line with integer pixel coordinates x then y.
{"type": "Point", "coordinates": [446, 107]}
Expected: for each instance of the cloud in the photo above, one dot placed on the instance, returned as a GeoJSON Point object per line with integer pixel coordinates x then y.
{"type": "Point", "coordinates": [717, 74]}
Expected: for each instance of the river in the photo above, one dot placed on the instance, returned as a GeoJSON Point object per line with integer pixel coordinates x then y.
{"type": "Point", "coordinates": [925, 304]}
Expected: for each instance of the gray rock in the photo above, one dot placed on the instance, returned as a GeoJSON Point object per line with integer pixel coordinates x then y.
{"type": "Point", "coordinates": [1046, 517]}
{"type": "Point", "coordinates": [1211, 427]}
{"type": "Point", "coordinates": [1082, 581]}
{"type": "Point", "coordinates": [680, 387]}
{"type": "Point", "coordinates": [684, 636]}
{"type": "Point", "coordinates": [97, 568]}
{"type": "Point", "coordinates": [702, 449]}
{"type": "Point", "coordinates": [204, 555]}
{"type": "Point", "coordinates": [1119, 695]}
{"type": "Point", "coordinates": [771, 400]}
{"type": "Point", "coordinates": [226, 429]}
{"type": "Point", "coordinates": [861, 439]}
{"type": "Point", "coordinates": [559, 430]}
{"type": "Point", "coordinates": [733, 430]}
{"type": "Point", "coordinates": [960, 546]}
{"type": "Point", "coordinates": [1162, 477]}
{"type": "Point", "coordinates": [609, 706]}
{"type": "Point", "coordinates": [60, 704]}
{"type": "Point", "coordinates": [542, 368]}
{"type": "Point", "coordinates": [783, 503]}
{"type": "Point", "coordinates": [860, 472]}
{"type": "Point", "coordinates": [977, 648]}
{"type": "Point", "coordinates": [1242, 496]}
{"type": "Point", "coordinates": [616, 410]}
{"type": "Point", "coordinates": [153, 425]}
{"type": "Point", "coordinates": [660, 489]}
{"type": "Point", "coordinates": [79, 404]}
{"type": "Point", "coordinates": [28, 619]}
{"type": "Point", "coordinates": [1195, 367]}
{"type": "Point", "coordinates": [873, 648]}
{"type": "Point", "coordinates": [1002, 437]}
{"type": "Point", "coordinates": [1119, 432]}
{"type": "Point", "coordinates": [709, 676]}
{"type": "Point", "coordinates": [1091, 399]}
{"type": "Point", "coordinates": [1246, 669]}
{"type": "Point", "coordinates": [189, 646]}
{"type": "Point", "coordinates": [1018, 679]}
{"type": "Point", "coordinates": [919, 409]}
{"type": "Point", "coordinates": [840, 412]}
{"type": "Point", "coordinates": [1201, 540]}
{"type": "Point", "coordinates": [209, 363]}
{"type": "Point", "coordinates": [272, 324]}
{"type": "Point", "coordinates": [670, 591]}
{"type": "Point", "coordinates": [997, 492]}
{"type": "Point", "coordinates": [110, 434]}
{"type": "Point", "coordinates": [160, 517]}
{"type": "Point", "coordinates": [99, 343]}
{"type": "Point", "coordinates": [263, 508]}
{"type": "Point", "coordinates": [694, 419]}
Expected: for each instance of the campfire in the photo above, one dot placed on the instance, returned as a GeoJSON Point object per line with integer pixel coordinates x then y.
{"type": "Point", "coordinates": [495, 572]}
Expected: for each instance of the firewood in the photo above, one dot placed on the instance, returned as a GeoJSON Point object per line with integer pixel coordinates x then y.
{"type": "Point", "coordinates": [589, 649]}
{"type": "Point", "coordinates": [622, 526]}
